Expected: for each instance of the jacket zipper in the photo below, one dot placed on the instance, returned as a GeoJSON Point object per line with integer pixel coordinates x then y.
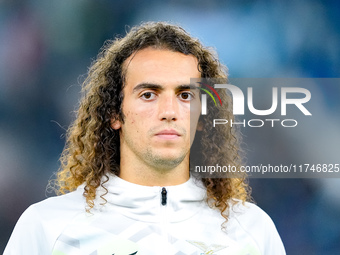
{"type": "Point", "coordinates": [164, 222]}
{"type": "Point", "coordinates": [164, 196]}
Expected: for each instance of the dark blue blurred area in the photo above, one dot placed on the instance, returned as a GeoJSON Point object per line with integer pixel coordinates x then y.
{"type": "Point", "coordinates": [47, 46]}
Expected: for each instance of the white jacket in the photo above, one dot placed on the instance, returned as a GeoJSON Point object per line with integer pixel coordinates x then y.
{"type": "Point", "coordinates": [134, 221]}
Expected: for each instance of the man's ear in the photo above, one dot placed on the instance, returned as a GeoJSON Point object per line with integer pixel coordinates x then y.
{"type": "Point", "coordinates": [115, 124]}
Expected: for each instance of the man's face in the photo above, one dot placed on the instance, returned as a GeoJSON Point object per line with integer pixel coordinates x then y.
{"type": "Point", "coordinates": [156, 106]}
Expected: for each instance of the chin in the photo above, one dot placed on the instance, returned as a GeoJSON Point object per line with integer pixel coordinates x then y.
{"type": "Point", "coordinates": [167, 162]}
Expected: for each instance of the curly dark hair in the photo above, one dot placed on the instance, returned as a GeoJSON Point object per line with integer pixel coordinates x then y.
{"type": "Point", "coordinates": [93, 147]}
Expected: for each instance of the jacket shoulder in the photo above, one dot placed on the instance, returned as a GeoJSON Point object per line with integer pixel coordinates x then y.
{"type": "Point", "coordinates": [258, 225]}
{"type": "Point", "coordinates": [41, 223]}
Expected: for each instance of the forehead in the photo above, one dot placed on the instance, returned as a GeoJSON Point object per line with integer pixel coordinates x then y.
{"type": "Point", "coordinates": [160, 66]}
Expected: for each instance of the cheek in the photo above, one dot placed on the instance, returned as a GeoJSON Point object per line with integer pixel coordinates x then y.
{"type": "Point", "coordinates": [144, 113]}
{"type": "Point", "coordinates": [131, 117]}
{"type": "Point", "coordinates": [190, 114]}
{"type": "Point", "coordinates": [139, 119]}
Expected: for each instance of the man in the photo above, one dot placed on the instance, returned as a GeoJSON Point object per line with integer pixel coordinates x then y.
{"type": "Point", "coordinates": [126, 163]}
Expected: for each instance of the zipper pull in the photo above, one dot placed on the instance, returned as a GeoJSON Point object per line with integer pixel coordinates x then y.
{"type": "Point", "coordinates": [164, 192]}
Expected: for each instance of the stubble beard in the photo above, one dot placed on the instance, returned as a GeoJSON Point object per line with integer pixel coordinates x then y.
{"type": "Point", "coordinates": [161, 163]}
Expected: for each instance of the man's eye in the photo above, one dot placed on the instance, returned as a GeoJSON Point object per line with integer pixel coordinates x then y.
{"type": "Point", "coordinates": [186, 96]}
{"type": "Point", "coordinates": [148, 95]}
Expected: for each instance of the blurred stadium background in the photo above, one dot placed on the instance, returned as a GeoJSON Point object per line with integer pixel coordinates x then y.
{"type": "Point", "coordinates": [46, 47]}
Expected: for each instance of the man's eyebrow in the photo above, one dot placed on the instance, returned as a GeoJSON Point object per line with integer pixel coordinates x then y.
{"type": "Point", "coordinates": [154, 86]}
{"type": "Point", "coordinates": [186, 87]}
{"type": "Point", "coordinates": [147, 86]}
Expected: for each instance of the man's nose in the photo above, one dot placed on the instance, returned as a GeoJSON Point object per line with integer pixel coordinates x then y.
{"type": "Point", "coordinates": [168, 108]}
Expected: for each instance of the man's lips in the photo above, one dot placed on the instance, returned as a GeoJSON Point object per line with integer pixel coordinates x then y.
{"type": "Point", "coordinates": [168, 134]}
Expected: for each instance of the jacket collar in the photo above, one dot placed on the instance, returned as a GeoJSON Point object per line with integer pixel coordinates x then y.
{"type": "Point", "coordinates": [143, 203]}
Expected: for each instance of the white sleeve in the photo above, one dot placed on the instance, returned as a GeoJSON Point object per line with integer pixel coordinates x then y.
{"type": "Point", "coordinates": [28, 236]}
{"type": "Point", "coordinates": [273, 243]}
{"type": "Point", "coordinates": [260, 227]}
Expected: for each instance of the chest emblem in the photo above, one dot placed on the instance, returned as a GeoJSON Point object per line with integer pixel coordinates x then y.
{"type": "Point", "coordinates": [207, 249]}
